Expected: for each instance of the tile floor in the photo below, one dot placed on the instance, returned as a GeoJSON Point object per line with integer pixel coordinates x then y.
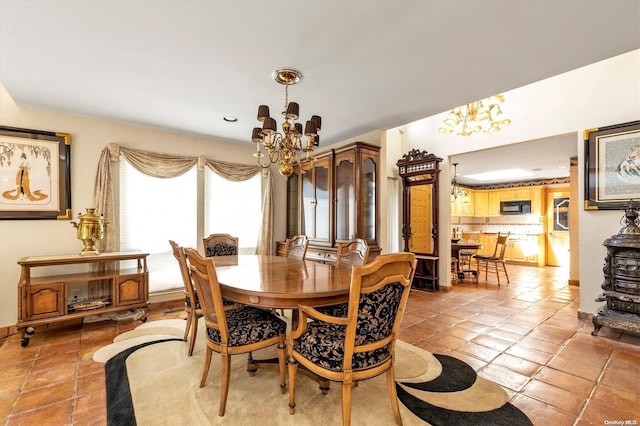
{"type": "Point", "coordinates": [525, 336]}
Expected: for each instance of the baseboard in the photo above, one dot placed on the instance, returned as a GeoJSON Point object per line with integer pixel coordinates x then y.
{"type": "Point", "coordinates": [584, 315]}
{"type": "Point", "coordinates": [574, 282]}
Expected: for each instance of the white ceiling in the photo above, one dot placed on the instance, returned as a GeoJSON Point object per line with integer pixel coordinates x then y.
{"type": "Point", "coordinates": [366, 65]}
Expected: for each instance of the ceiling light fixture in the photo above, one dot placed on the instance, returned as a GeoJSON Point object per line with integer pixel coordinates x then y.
{"type": "Point", "coordinates": [229, 119]}
{"type": "Point", "coordinates": [480, 116]}
{"type": "Point", "coordinates": [456, 191]}
{"type": "Point", "coordinates": [285, 147]}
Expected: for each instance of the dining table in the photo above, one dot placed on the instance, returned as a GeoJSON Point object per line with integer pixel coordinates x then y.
{"type": "Point", "coordinates": [278, 282]}
{"type": "Point", "coordinates": [456, 247]}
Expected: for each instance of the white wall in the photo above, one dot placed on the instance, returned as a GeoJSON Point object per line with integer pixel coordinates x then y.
{"type": "Point", "coordinates": [598, 95]}
{"type": "Point", "coordinates": [20, 238]}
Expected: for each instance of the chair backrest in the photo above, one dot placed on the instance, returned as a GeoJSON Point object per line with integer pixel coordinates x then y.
{"type": "Point", "coordinates": [178, 253]}
{"type": "Point", "coordinates": [381, 286]}
{"type": "Point", "coordinates": [353, 252]}
{"type": "Point", "coordinates": [220, 245]}
{"type": "Point", "coordinates": [501, 246]}
{"type": "Point", "coordinates": [205, 279]}
{"type": "Point", "coordinates": [297, 246]}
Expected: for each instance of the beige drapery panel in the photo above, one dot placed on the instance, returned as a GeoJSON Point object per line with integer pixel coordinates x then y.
{"type": "Point", "coordinates": [166, 166]}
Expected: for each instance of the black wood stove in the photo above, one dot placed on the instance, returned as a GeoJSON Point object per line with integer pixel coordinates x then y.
{"type": "Point", "coordinates": [621, 277]}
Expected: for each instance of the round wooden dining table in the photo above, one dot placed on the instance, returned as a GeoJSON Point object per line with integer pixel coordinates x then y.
{"type": "Point", "coordinates": [281, 282]}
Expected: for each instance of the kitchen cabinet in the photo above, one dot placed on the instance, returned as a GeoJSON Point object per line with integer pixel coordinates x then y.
{"type": "Point", "coordinates": [462, 205]}
{"type": "Point", "coordinates": [516, 194]}
{"type": "Point", "coordinates": [536, 201]}
{"type": "Point", "coordinates": [481, 203]}
{"type": "Point", "coordinates": [110, 282]}
{"type": "Point", "coordinates": [336, 200]}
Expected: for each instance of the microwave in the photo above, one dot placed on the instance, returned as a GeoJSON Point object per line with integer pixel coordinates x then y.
{"type": "Point", "coordinates": [515, 207]}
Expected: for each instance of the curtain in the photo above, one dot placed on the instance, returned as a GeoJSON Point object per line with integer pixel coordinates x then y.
{"type": "Point", "coordinates": [166, 166]}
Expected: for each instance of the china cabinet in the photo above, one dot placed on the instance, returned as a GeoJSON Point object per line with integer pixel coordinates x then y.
{"type": "Point", "coordinates": [76, 286]}
{"type": "Point", "coordinates": [335, 200]}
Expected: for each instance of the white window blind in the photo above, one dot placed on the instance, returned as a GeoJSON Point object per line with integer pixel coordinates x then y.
{"type": "Point", "coordinates": [233, 208]}
{"type": "Point", "coordinates": [154, 211]}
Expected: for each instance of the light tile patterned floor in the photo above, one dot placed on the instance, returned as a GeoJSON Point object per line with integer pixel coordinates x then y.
{"type": "Point", "coordinates": [525, 336]}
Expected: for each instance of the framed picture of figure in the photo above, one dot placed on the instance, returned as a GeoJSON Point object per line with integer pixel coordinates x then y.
{"type": "Point", "coordinates": [35, 174]}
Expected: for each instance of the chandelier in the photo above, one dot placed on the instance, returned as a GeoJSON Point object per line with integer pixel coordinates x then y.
{"type": "Point", "coordinates": [286, 147]}
{"type": "Point", "coordinates": [456, 191]}
{"type": "Point", "coordinates": [480, 116]}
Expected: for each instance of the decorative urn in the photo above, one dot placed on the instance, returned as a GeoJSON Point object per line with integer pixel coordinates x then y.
{"type": "Point", "coordinates": [90, 230]}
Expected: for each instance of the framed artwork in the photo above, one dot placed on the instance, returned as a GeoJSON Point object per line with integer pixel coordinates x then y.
{"type": "Point", "coordinates": [35, 174]}
{"type": "Point", "coordinates": [612, 166]}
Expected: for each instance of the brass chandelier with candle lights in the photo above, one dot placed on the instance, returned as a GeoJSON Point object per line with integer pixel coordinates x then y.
{"type": "Point", "coordinates": [480, 116]}
{"type": "Point", "coordinates": [286, 147]}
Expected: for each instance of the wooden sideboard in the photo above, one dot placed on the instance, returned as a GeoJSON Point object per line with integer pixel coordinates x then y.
{"type": "Point", "coordinates": [74, 286]}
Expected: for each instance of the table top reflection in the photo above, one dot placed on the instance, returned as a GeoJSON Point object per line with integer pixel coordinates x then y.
{"type": "Point", "coordinates": [281, 282]}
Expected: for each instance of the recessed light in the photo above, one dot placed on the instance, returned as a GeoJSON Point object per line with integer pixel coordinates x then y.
{"type": "Point", "coordinates": [229, 118]}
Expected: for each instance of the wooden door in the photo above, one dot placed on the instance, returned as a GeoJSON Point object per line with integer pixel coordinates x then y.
{"type": "Point", "coordinates": [421, 219]}
{"type": "Point", "coordinates": [558, 227]}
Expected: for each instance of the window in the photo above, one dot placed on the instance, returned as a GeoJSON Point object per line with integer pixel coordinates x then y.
{"type": "Point", "coordinates": [154, 211]}
{"type": "Point", "coordinates": [235, 208]}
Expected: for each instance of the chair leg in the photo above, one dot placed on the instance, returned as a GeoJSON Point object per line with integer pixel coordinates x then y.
{"type": "Point", "coordinates": [207, 363]}
{"type": "Point", "coordinates": [188, 325]}
{"type": "Point", "coordinates": [504, 266]}
{"type": "Point", "coordinates": [495, 265]}
{"type": "Point", "coordinates": [346, 403]}
{"type": "Point", "coordinates": [224, 386]}
{"type": "Point", "coordinates": [194, 333]}
{"type": "Point", "coordinates": [393, 395]}
{"type": "Point", "coordinates": [282, 357]}
{"type": "Point", "coordinates": [293, 370]}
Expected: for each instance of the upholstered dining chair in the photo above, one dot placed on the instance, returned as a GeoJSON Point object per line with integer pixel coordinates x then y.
{"type": "Point", "coordinates": [494, 263]}
{"type": "Point", "coordinates": [220, 245]}
{"type": "Point", "coordinates": [465, 256]}
{"type": "Point", "coordinates": [232, 331]}
{"type": "Point", "coordinates": [352, 252]}
{"type": "Point", "coordinates": [191, 302]}
{"type": "Point", "coordinates": [297, 246]}
{"type": "Point", "coordinates": [362, 345]}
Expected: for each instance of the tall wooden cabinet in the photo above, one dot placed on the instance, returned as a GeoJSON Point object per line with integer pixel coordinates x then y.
{"type": "Point", "coordinates": [336, 200]}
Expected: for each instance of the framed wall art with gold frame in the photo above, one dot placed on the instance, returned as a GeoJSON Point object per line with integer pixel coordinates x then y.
{"type": "Point", "coordinates": [35, 174]}
{"type": "Point", "coordinates": [612, 166]}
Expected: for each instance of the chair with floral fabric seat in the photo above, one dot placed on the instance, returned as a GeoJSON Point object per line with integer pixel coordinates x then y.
{"type": "Point", "coordinates": [230, 330]}
{"type": "Point", "coordinates": [220, 245]}
{"type": "Point", "coordinates": [362, 344]}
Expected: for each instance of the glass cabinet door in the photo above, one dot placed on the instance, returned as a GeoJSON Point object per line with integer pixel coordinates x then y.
{"type": "Point", "coordinates": [308, 206]}
{"type": "Point", "coordinates": [293, 205]}
{"type": "Point", "coordinates": [369, 194]}
{"type": "Point", "coordinates": [315, 202]}
{"type": "Point", "coordinates": [323, 202]}
{"type": "Point", "coordinates": [345, 201]}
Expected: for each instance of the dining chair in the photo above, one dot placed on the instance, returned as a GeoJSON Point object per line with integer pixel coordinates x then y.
{"type": "Point", "coordinates": [191, 302]}
{"type": "Point", "coordinates": [465, 256]}
{"type": "Point", "coordinates": [297, 246]}
{"type": "Point", "coordinates": [220, 245]}
{"type": "Point", "coordinates": [352, 252]}
{"type": "Point", "coordinates": [494, 263]}
{"type": "Point", "coordinates": [232, 331]}
{"type": "Point", "coordinates": [362, 345]}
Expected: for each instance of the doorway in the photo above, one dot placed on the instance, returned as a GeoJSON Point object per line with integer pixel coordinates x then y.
{"type": "Point", "coordinates": [558, 227]}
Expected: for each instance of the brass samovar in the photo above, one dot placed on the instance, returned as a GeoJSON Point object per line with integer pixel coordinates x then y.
{"type": "Point", "coordinates": [90, 230]}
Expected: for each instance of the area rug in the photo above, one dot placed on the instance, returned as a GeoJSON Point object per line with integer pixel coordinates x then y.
{"type": "Point", "coordinates": [150, 380]}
